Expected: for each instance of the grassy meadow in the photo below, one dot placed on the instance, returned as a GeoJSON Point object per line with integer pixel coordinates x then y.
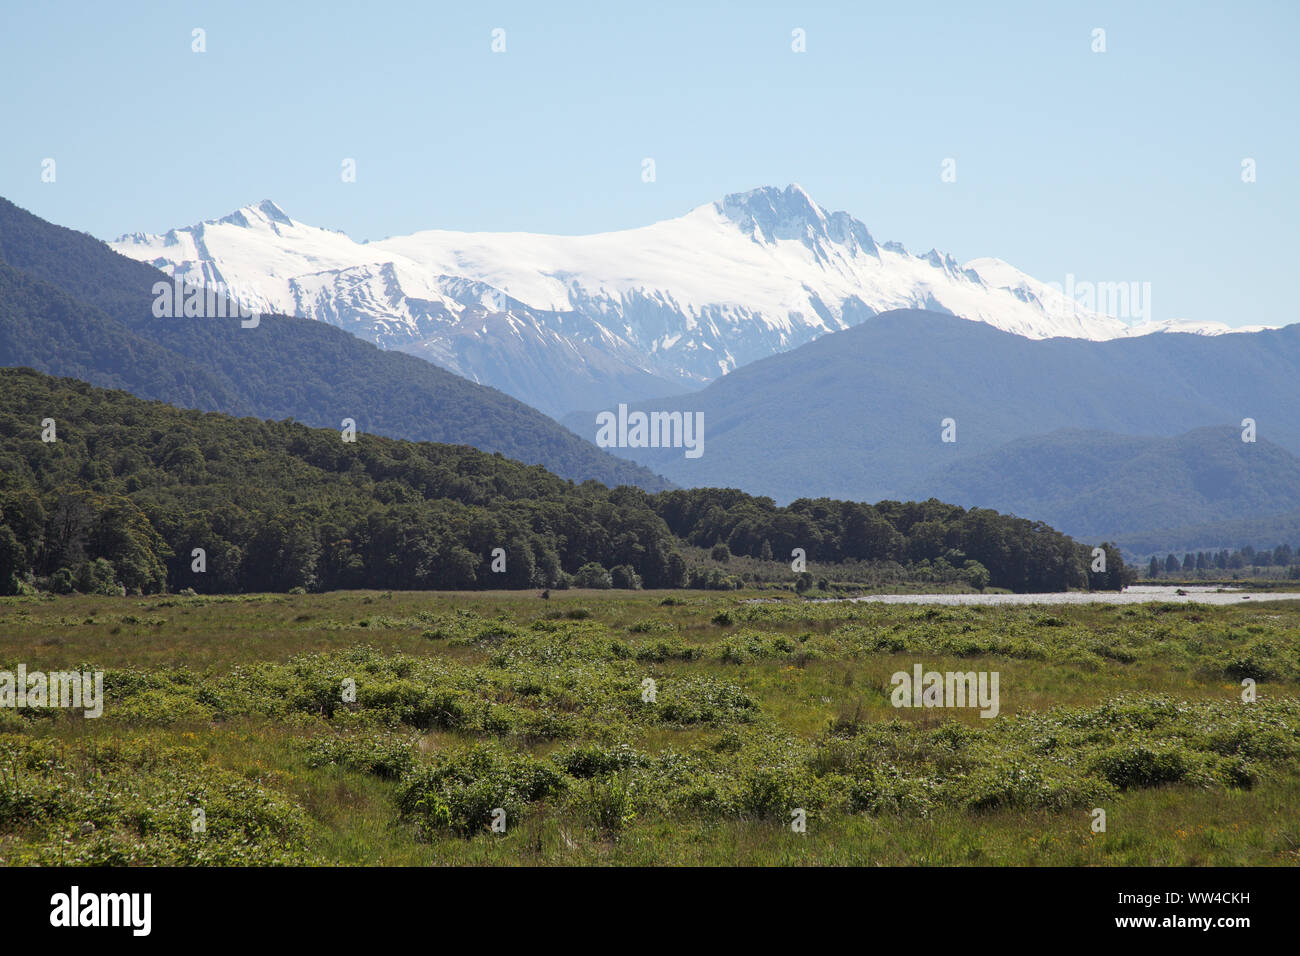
{"type": "Point", "coordinates": [235, 711]}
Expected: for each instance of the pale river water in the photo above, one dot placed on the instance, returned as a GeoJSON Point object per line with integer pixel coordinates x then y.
{"type": "Point", "coordinates": [1135, 594]}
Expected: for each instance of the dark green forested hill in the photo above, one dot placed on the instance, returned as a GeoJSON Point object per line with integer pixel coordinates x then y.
{"type": "Point", "coordinates": [71, 306]}
{"type": "Point", "coordinates": [43, 327]}
{"type": "Point", "coordinates": [130, 488]}
{"type": "Point", "coordinates": [276, 505]}
{"type": "Point", "coordinates": [1018, 554]}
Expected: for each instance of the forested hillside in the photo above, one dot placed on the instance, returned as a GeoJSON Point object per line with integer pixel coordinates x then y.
{"type": "Point", "coordinates": [128, 489]}
{"type": "Point", "coordinates": [43, 327]}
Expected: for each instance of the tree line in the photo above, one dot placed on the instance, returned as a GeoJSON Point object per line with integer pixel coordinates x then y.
{"type": "Point", "coordinates": [137, 496]}
{"type": "Point", "coordinates": [1282, 556]}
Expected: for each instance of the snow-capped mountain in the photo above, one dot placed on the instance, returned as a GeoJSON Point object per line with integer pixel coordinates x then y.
{"type": "Point", "coordinates": [577, 322]}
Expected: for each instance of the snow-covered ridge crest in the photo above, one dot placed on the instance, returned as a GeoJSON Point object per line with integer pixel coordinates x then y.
{"type": "Point", "coordinates": [571, 322]}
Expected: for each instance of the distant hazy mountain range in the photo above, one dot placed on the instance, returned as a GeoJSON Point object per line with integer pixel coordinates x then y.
{"type": "Point", "coordinates": [575, 322]}
{"type": "Point", "coordinates": [1095, 438]}
{"type": "Point", "coordinates": [70, 306]}
{"type": "Point", "coordinates": [1235, 533]}
{"type": "Point", "coordinates": [1102, 485]}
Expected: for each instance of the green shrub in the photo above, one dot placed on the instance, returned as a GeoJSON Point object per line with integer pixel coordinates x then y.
{"type": "Point", "coordinates": [459, 791]}
{"type": "Point", "coordinates": [1129, 766]}
{"type": "Point", "coordinates": [384, 755]}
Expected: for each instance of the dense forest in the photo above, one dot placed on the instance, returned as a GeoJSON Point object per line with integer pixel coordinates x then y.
{"type": "Point", "coordinates": [104, 492]}
{"type": "Point", "coordinates": [1017, 554]}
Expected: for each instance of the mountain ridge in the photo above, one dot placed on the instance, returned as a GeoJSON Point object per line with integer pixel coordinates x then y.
{"type": "Point", "coordinates": [665, 307]}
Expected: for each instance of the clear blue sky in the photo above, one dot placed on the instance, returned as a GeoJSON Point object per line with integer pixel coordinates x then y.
{"type": "Point", "coordinates": [1115, 166]}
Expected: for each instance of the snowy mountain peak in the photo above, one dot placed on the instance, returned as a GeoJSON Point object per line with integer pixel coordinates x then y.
{"type": "Point", "coordinates": [768, 214]}
{"type": "Point", "coordinates": [569, 322]}
{"type": "Point", "coordinates": [264, 215]}
{"type": "Point", "coordinates": [257, 215]}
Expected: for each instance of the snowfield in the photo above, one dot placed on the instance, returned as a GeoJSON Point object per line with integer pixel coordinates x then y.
{"type": "Point", "coordinates": [613, 316]}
